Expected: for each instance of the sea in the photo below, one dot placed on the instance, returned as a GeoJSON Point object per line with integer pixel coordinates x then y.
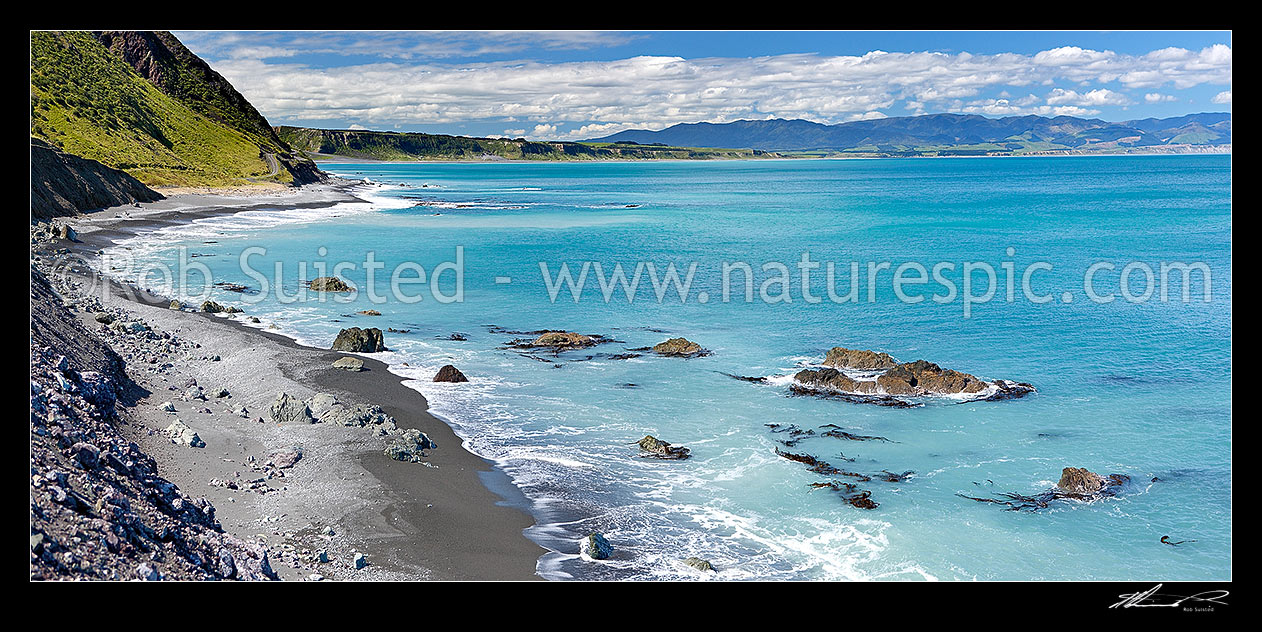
{"type": "Point", "coordinates": [1103, 281]}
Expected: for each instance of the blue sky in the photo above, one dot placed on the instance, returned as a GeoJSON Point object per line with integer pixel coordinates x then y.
{"type": "Point", "coordinates": [585, 84]}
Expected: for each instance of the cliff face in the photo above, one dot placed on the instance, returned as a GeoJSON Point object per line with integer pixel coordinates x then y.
{"type": "Point", "coordinates": [63, 184]}
{"type": "Point", "coordinates": [140, 102]}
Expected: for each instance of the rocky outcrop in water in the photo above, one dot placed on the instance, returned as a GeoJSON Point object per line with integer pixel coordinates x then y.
{"type": "Point", "coordinates": [908, 379]}
{"type": "Point", "coordinates": [679, 347]}
{"type": "Point", "coordinates": [653, 447]}
{"type": "Point", "coordinates": [358, 340]}
{"type": "Point", "coordinates": [843, 358]}
{"type": "Point", "coordinates": [1076, 484]}
{"type": "Point", "coordinates": [1080, 480]}
{"type": "Point", "coordinates": [329, 284]}
{"type": "Point", "coordinates": [450, 373]}
{"type": "Point", "coordinates": [563, 340]}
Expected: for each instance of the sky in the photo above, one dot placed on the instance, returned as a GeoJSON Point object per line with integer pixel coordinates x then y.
{"type": "Point", "coordinates": [575, 85]}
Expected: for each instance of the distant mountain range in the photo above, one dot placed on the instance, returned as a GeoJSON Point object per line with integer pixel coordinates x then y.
{"type": "Point", "coordinates": [944, 134]}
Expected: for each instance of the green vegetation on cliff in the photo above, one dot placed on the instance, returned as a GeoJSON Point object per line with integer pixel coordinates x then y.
{"type": "Point", "coordinates": [409, 146]}
{"type": "Point", "coordinates": [88, 100]}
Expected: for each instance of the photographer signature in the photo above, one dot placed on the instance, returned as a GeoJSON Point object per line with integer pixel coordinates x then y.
{"type": "Point", "coordinates": [1152, 599]}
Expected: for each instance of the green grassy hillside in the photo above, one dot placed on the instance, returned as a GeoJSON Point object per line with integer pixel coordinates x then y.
{"type": "Point", "coordinates": [415, 146]}
{"type": "Point", "coordinates": [89, 102]}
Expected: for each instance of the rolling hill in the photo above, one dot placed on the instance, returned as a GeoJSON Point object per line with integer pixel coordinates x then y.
{"type": "Point", "coordinates": [417, 146]}
{"type": "Point", "coordinates": [142, 103]}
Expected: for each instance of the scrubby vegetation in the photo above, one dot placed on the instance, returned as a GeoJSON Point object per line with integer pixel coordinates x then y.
{"type": "Point", "coordinates": [89, 102]}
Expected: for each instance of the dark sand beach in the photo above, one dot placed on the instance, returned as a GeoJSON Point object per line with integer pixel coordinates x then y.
{"type": "Point", "coordinates": [434, 520]}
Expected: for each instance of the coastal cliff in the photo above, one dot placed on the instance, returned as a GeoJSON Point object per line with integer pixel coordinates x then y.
{"type": "Point", "coordinates": [63, 184]}
{"type": "Point", "coordinates": [141, 103]}
{"type": "Point", "coordinates": [416, 146]}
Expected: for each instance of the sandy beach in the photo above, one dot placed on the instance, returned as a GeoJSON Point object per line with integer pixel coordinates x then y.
{"type": "Point", "coordinates": [438, 519]}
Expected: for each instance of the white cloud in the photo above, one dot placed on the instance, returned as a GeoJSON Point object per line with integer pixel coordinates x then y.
{"type": "Point", "coordinates": [655, 92]}
{"type": "Point", "coordinates": [1156, 97]}
{"type": "Point", "coordinates": [1095, 98]}
{"type": "Point", "coordinates": [1223, 98]}
{"type": "Point", "coordinates": [544, 131]}
{"type": "Point", "coordinates": [357, 126]}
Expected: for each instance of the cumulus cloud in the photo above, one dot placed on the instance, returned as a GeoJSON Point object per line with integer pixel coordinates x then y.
{"type": "Point", "coordinates": [1223, 97]}
{"type": "Point", "coordinates": [565, 98]}
{"type": "Point", "coordinates": [1098, 97]}
{"type": "Point", "coordinates": [1157, 97]}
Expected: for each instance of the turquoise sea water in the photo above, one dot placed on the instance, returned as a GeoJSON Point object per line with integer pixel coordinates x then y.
{"type": "Point", "coordinates": [1137, 388]}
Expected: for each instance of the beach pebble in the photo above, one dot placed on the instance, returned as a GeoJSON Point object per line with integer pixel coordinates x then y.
{"type": "Point", "coordinates": [360, 561]}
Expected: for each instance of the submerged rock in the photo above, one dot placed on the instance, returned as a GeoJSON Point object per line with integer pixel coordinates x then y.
{"type": "Point", "coordinates": [594, 546]}
{"type": "Point", "coordinates": [358, 340]}
{"type": "Point", "coordinates": [843, 358]}
{"type": "Point", "coordinates": [678, 347]}
{"type": "Point", "coordinates": [370, 312]}
{"type": "Point", "coordinates": [329, 284]}
{"type": "Point", "coordinates": [450, 373]}
{"type": "Point", "coordinates": [654, 447]}
{"type": "Point", "coordinates": [289, 409]}
{"type": "Point", "coordinates": [349, 364]}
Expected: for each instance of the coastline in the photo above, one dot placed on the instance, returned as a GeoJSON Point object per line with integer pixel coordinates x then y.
{"type": "Point", "coordinates": [458, 519]}
{"type": "Point", "coordinates": [1216, 150]}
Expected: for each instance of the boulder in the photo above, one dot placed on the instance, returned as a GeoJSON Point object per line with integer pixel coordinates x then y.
{"type": "Point", "coordinates": [64, 231]}
{"type": "Point", "coordinates": [356, 340]}
{"type": "Point", "coordinates": [450, 373]}
{"type": "Point", "coordinates": [181, 434]}
{"type": "Point", "coordinates": [104, 318]}
{"type": "Point", "coordinates": [652, 446]}
{"type": "Point", "coordinates": [349, 364]}
{"type": "Point", "coordinates": [862, 360]}
{"type": "Point", "coordinates": [329, 284]}
{"type": "Point", "coordinates": [409, 445]}
{"type": "Point", "coordinates": [211, 307]}
{"type": "Point", "coordinates": [285, 458]}
{"type": "Point", "coordinates": [289, 409]}
{"type": "Point", "coordinates": [594, 546]}
{"type": "Point", "coordinates": [677, 347]}
{"type": "Point", "coordinates": [175, 305]}
{"type": "Point", "coordinates": [702, 565]}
